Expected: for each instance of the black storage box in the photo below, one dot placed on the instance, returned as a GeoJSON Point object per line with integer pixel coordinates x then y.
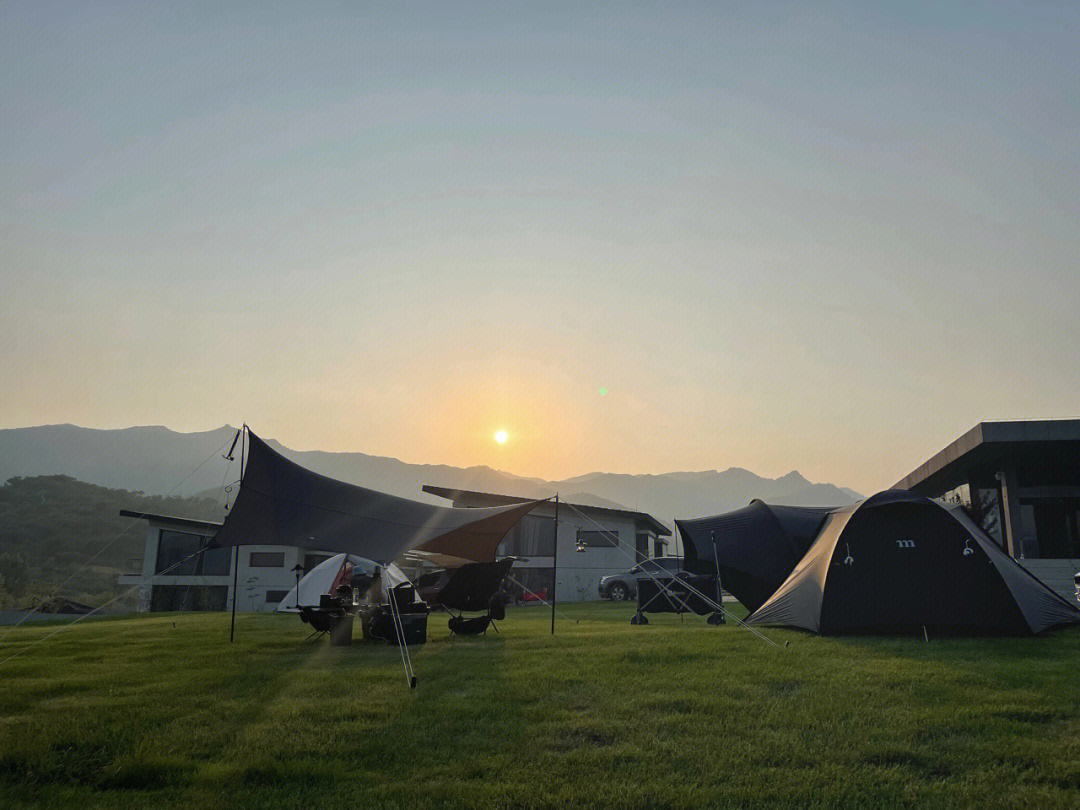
{"type": "Point", "coordinates": [415, 627]}
{"type": "Point", "coordinates": [378, 625]}
{"type": "Point", "coordinates": [672, 595]}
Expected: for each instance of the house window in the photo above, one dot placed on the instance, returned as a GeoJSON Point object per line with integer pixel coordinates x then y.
{"type": "Point", "coordinates": [188, 597]}
{"type": "Point", "coordinates": [642, 546]}
{"type": "Point", "coordinates": [311, 560]}
{"type": "Point", "coordinates": [267, 559]}
{"type": "Point", "coordinates": [529, 583]}
{"type": "Point", "coordinates": [273, 597]}
{"type": "Point", "coordinates": [531, 537]}
{"type": "Point", "coordinates": [179, 554]}
{"type": "Point", "coordinates": [598, 539]}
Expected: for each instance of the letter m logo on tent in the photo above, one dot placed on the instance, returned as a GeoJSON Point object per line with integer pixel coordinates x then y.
{"type": "Point", "coordinates": [905, 544]}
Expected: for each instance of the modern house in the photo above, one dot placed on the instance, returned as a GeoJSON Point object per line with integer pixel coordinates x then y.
{"type": "Point", "coordinates": [204, 581]}
{"type": "Point", "coordinates": [593, 541]}
{"type": "Point", "coordinates": [182, 579]}
{"type": "Point", "coordinates": [1022, 480]}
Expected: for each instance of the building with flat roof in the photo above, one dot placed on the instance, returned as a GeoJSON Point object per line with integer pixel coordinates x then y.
{"type": "Point", "coordinates": [613, 540]}
{"type": "Point", "coordinates": [175, 577]}
{"type": "Point", "coordinates": [1022, 480]}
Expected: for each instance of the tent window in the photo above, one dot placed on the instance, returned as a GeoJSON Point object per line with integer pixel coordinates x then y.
{"type": "Point", "coordinates": [178, 553]}
{"type": "Point", "coordinates": [267, 559]}
{"type": "Point", "coordinates": [598, 539]}
{"type": "Point", "coordinates": [275, 596]}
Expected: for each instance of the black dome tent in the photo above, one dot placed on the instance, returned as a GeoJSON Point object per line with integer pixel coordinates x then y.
{"type": "Point", "coordinates": [901, 563]}
{"type": "Point", "coordinates": [753, 548]}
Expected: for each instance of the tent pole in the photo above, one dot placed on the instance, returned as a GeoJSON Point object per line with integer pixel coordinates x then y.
{"type": "Point", "coordinates": [235, 567]}
{"type": "Point", "coordinates": [555, 565]}
{"type": "Point", "coordinates": [236, 550]}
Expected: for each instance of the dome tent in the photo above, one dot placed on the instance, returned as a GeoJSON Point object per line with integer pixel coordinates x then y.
{"type": "Point", "coordinates": [898, 563]}
{"type": "Point", "coordinates": [753, 548]}
{"type": "Point", "coordinates": [323, 577]}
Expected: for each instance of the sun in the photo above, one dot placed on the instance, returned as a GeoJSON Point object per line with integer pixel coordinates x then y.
{"type": "Point", "coordinates": [500, 436]}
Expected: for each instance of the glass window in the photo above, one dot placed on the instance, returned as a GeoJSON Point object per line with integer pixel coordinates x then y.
{"type": "Point", "coordinates": [1055, 529]}
{"type": "Point", "coordinates": [267, 559]}
{"type": "Point", "coordinates": [178, 554]}
{"type": "Point", "coordinates": [642, 546]}
{"type": "Point", "coordinates": [535, 580]}
{"type": "Point", "coordinates": [531, 537]}
{"type": "Point", "coordinates": [598, 539]}
{"type": "Point", "coordinates": [986, 512]}
{"type": "Point", "coordinates": [311, 560]}
{"type": "Point", "coordinates": [188, 597]}
{"type": "Point", "coordinates": [275, 596]}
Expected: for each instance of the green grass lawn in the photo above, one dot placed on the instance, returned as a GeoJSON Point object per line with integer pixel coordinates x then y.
{"type": "Point", "coordinates": [163, 711]}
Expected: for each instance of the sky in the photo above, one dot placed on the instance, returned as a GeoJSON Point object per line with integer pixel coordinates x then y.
{"type": "Point", "coordinates": [638, 238]}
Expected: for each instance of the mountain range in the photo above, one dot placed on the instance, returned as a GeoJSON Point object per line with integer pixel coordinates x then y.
{"type": "Point", "coordinates": [159, 461]}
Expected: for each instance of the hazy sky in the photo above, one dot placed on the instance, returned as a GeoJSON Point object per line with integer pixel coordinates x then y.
{"type": "Point", "coordinates": [824, 237]}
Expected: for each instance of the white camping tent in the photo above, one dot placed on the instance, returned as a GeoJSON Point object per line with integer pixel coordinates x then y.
{"type": "Point", "coordinates": [320, 580]}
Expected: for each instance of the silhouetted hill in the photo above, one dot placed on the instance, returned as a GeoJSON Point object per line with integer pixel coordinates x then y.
{"type": "Point", "coordinates": [157, 460]}
{"type": "Point", "coordinates": [51, 525]}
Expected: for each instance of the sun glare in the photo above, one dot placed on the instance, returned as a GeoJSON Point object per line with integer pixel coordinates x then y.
{"type": "Point", "coordinates": [500, 436]}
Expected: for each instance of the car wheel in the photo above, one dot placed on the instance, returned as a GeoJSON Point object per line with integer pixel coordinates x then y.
{"type": "Point", "coordinates": [618, 592]}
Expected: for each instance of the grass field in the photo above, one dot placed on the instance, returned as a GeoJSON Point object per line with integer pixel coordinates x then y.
{"type": "Point", "coordinates": [163, 711]}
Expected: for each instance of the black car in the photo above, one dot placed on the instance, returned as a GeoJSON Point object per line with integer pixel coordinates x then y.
{"type": "Point", "coordinates": [619, 587]}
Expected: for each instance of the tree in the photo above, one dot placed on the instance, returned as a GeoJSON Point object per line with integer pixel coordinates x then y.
{"type": "Point", "coordinates": [14, 574]}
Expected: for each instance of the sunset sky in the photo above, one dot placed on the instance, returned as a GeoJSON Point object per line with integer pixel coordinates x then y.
{"type": "Point", "coordinates": [824, 237]}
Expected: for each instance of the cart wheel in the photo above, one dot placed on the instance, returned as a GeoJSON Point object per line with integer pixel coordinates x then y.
{"type": "Point", "coordinates": [638, 618]}
{"type": "Point", "coordinates": [715, 618]}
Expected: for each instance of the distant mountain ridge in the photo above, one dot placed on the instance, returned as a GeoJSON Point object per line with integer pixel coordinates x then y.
{"type": "Point", "coordinates": [159, 461]}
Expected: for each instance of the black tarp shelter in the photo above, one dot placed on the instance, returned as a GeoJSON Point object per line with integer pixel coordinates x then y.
{"type": "Point", "coordinates": [753, 548]}
{"type": "Point", "coordinates": [282, 503]}
{"type": "Point", "coordinates": [899, 562]}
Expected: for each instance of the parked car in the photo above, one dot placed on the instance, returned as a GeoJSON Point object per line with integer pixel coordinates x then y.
{"type": "Point", "coordinates": [622, 586]}
{"type": "Point", "coordinates": [1076, 582]}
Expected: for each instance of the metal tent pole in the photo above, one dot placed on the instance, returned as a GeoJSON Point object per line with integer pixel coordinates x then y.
{"type": "Point", "coordinates": [555, 565]}
{"type": "Point", "coordinates": [235, 567]}
{"type": "Point", "coordinates": [236, 549]}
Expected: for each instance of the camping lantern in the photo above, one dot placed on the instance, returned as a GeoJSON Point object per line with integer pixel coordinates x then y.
{"type": "Point", "coordinates": [580, 546]}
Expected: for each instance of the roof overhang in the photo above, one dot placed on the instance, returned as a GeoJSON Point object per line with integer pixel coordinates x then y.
{"type": "Point", "coordinates": [204, 525]}
{"type": "Point", "coordinates": [1046, 441]}
{"type": "Point", "coordinates": [494, 499]}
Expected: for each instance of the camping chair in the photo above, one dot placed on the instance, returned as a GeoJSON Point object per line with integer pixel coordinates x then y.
{"type": "Point", "coordinates": [475, 587]}
{"type": "Point", "coordinates": [318, 619]}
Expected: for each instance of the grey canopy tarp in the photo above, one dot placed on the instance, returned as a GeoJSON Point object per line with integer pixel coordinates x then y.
{"type": "Point", "coordinates": [282, 503]}
{"type": "Point", "coordinates": [753, 548]}
{"type": "Point", "coordinates": [898, 563]}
